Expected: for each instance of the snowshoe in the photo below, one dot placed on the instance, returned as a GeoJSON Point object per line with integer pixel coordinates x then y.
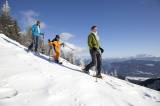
{"type": "Point", "coordinates": [37, 53]}
{"type": "Point", "coordinates": [98, 76]}
{"type": "Point", "coordinates": [86, 72]}
{"type": "Point", "coordinates": [58, 62]}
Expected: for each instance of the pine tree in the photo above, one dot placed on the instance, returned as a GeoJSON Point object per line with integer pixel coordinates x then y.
{"type": "Point", "coordinates": [8, 26]}
{"type": "Point", "coordinates": [26, 37]}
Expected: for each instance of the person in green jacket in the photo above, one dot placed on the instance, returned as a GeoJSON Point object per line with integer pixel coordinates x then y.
{"type": "Point", "coordinates": [95, 52]}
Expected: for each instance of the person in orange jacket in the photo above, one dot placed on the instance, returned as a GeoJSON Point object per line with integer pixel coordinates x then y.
{"type": "Point", "coordinates": [57, 48]}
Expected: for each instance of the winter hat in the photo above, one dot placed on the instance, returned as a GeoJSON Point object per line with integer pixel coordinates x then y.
{"type": "Point", "coordinates": [57, 36]}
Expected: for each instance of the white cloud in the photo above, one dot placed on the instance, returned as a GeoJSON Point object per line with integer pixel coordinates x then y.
{"type": "Point", "coordinates": [73, 47]}
{"type": "Point", "coordinates": [29, 18]}
{"type": "Point", "coordinates": [65, 36]}
{"type": "Point", "coordinates": [69, 47]}
{"type": "Point", "coordinates": [77, 50]}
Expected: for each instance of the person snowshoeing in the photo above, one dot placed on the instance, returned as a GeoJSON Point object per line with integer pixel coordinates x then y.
{"type": "Point", "coordinates": [57, 48]}
{"type": "Point", "coordinates": [36, 33]}
{"type": "Point", "coordinates": [95, 52]}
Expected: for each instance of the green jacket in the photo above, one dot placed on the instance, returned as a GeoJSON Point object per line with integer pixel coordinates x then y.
{"type": "Point", "coordinates": [93, 42]}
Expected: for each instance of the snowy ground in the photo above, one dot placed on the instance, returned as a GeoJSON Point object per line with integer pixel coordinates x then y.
{"type": "Point", "coordinates": [39, 82]}
{"type": "Point", "coordinates": [137, 78]}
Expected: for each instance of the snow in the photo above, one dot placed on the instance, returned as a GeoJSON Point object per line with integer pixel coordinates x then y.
{"type": "Point", "coordinates": [43, 83]}
{"type": "Point", "coordinates": [148, 73]}
{"type": "Point", "coordinates": [151, 65]}
{"type": "Point", "coordinates": [7, 93]}
{"type": "Point", "coordinates": [137, 78]}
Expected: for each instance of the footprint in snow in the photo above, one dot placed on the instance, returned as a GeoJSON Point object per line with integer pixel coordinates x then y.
{"type": "Point", "coordinates": [112, 86]}
{"type": "Point", "coordinates": [146, 95]}
{"type": "Point", "coordinates": [129, 104]}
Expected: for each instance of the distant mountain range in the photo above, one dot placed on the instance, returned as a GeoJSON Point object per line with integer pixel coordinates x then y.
{"type": "Point", "coordinates": [143, 70]}
{"type": "Point", "coordinates": [139, 66]}
{"type": "Point", "coordinates": [137, 57]}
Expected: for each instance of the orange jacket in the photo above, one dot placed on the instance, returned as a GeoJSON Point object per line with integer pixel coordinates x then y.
{"type": "Point", "coordinates": [57, 45]}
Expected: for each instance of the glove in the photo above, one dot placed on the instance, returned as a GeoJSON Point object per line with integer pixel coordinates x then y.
{"type": "Point", "coordinates": [94, 49]}
{"type": "Point", "coordinates": [63, 44]}
{"type": "Point", "coordinates": [101, 50]}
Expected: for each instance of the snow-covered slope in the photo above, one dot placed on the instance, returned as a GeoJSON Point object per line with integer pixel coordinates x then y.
{"type": "Point", "coordinates": [42, 83]}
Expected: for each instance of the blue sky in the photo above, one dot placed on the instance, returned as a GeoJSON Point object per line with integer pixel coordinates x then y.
{"type": "Point", "coordinates": [126, 27]}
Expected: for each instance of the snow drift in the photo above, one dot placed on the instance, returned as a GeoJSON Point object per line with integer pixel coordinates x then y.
{"type": "Point", "coordinates": [39, 82]}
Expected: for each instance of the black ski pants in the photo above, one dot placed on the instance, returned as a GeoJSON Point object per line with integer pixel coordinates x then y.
{"type": "Point", "coordinates": [35, 41]}
{"type": "Point", "coordinates": [96, 61]}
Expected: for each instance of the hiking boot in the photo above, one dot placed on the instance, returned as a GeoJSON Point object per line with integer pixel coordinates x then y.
{"type": "Point", "coordinates": [85, 71]}
{"type": "Point", "coordinates": [28, 50]}
{"type": "Point", "coordinates": [98, 76]}
{"type": "Point", "coordinates": [57, 61]}
{"type": "Point", "coordinates": [37, 53]}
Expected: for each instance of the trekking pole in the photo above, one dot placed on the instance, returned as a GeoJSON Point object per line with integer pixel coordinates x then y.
{"type": "Point", "coordinates": [49, 48]}
{"type": "Point", "coordinates": [43, 44]}
{"type": "Point", "coordinates": [49, 53]}
{"type": "Point", "coordinates": [95, 72]}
